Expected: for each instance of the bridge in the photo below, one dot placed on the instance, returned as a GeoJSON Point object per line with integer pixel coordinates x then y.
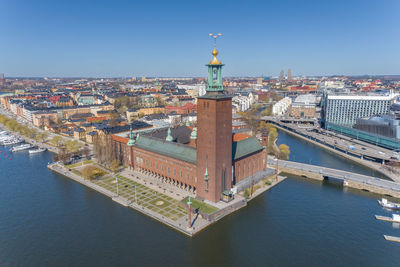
{"type": "Point", "coordinates": [337, 142]}
{"type": "Point", "coordinates": [350, 179]}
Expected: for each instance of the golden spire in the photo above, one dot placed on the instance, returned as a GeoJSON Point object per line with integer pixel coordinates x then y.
{"type": "Point", "coordinates": [215, 61]}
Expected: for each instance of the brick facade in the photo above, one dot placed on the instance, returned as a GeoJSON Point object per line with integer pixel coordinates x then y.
{"type": "Point", "coordinates": [214, 146]}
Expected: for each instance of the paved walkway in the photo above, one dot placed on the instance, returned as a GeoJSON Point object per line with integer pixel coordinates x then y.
{"type": "Point", "coordinates": [141, 198]}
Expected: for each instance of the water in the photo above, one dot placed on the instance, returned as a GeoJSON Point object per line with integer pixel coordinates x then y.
{"type": "Point", "coordinates": [305, 152]}
{"type": "Point", "coordinates": [46, 219]}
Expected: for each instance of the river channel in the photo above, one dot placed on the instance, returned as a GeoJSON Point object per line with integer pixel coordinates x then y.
{"type": "Point", "coordinates": [47, 219]}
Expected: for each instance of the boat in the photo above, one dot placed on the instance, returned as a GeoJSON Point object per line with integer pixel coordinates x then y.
{"type": "Point", "coordinates": [395, 218]}
{"type": "Point", "coordinates": [388, 205]}
{"type": "Point", "coordinates": [38, 150]}
{"type": "Point", "coordinates": [392, 238]}
{"type": "Point", "coordinates": [21, 147]}
{"type": "Point", "coordinates": [12, 141]}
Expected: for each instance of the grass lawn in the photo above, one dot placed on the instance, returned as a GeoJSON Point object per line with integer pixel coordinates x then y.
{"type": "Point", "coordinates": [149, 198]}
{"type": "Point", "coordinates": [196, 204]}
{"type": "Point", "coordinates": [79, 164]}
{"type": "Point", "coordinates": [76, 172]}
{"type": "Point", "coordinates": [160, 203]}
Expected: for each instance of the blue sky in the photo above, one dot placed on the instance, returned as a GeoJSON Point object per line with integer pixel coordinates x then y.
{"type": "Point", "coordinates": [170, 38]}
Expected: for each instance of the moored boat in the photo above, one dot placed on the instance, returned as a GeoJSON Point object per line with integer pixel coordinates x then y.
{"type": "Point", "coordinates": [38, 150]}
{"type": "Point", "coordinates": [395, 218]}
{"type": "Point", "coordinates": [21, 147]}
{"type": "Point", "coordinates": [12, 141]}
{"type": "Point", "coordinates": [388, 205]}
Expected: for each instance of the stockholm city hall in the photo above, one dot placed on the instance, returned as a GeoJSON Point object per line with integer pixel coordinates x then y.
{"type": "Point", "coordinates": [206, 159]}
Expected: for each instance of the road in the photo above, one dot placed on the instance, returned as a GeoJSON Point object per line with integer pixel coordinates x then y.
{"type": "Point", "coordinates": [343, 143]}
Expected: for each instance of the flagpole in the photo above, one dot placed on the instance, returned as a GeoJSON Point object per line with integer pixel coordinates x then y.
{"type": "Point", "coordinates": [116, 179]}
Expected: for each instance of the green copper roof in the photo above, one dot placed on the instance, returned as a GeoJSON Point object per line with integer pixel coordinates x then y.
{"type": "Point", "coordinates": [170, 149]}
{"type": "Point", "coordinates": [131, 142]}
{"type": "Point", "coordinates": [193, 135]}
{"type": "Point", "coordinates": [245, 147]}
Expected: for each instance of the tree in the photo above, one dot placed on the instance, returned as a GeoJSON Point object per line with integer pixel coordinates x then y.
{"type": "Point", "coordinates": [103, 149]}
{"type": "Point", "coordinates": [266, 126]}
{"type": "Point", "coordinates": [284, 152]}
{"type": "Point", "coordinates": [250, 118]}
{"type": "Point", "coordinates": [115, 165]}
{"type": "Point", "coordinates": [73, 146]}
{"type": "Point", "coordinates": [90, 172]}
{"type": "Point", "coordinates": [86, 151]}
{"type": "Point", "coordinates": [42, 136]}
{"type": "Point", "coordinates": [272, 136]}
{"type": "Point", "coordinates": [57, 140]}
{"type": "Point", "coordinates": [267, 111]}
{"type": "Point", "coordinates": [62, 155]}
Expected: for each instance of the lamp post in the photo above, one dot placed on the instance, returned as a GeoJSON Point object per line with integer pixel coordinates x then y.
{"type": "Point", "coordinates": [189, 202]}
{"type": "Point", "coordinates": [134, 187]}
{"type": "Point", "coordinates": [277, 166]}
{"type": "Point", "coordinates": [116, 180]}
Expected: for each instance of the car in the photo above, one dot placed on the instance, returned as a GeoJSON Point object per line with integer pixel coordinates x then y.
{"type": "Point", "coordinates": [382, 153]}
{"type": "Point", "coordinates": [363, 148]}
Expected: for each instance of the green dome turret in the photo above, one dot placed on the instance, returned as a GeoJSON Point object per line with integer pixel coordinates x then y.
{"type": "Point", "coordinates": [132, 139]}
{"type": "Point", "coordinates": [169, 136]}
{"type": "Point", "coordinates": [193, 135]}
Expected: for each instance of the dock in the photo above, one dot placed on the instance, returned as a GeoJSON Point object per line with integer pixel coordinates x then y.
{"type": "Point", "coordinates": [386, 219]}
{"type": "Point", "coordinates": [392, 238]}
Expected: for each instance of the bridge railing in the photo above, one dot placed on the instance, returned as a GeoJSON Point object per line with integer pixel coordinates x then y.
{"type": "Point", "coordinates": [339, 174]}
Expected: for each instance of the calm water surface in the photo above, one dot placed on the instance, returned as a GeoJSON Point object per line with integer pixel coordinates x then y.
{"type": "Point", "coordinates": [305, 152]}
{"type": "Point", "coordinates": [46, 219]}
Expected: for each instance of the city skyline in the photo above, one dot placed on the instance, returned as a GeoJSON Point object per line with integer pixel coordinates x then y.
{"type": "Point", "coordinates": [168, 39]}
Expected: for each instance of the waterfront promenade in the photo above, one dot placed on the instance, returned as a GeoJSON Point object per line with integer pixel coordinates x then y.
{"type": "Point", "coordinates": [151, 199]}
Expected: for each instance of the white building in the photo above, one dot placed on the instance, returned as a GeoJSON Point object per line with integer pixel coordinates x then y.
{"type": "Point", "coordinates": [243, 100]}
{"type": "Point", "coordinates": [201, 88]}
{"type": "Point", "coordinates": [346, 109]}
{"type": "Point", "coordinates": [281, 106]}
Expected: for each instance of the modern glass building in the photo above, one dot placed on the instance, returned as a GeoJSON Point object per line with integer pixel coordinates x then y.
{"type": "Point", "coordinates": [346, 109]}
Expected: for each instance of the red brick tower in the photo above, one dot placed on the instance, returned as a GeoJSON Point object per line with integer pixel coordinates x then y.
{"type": "Point", "coordinates": [214, 136]}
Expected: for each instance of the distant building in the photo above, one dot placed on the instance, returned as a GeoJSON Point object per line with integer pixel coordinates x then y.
{"type": "Point", "coordinates": [384, 125]}
{"type": "Point", "coordinates": [289, 74]}
{"type": "Point", "coordinates": [303, 107]}
{"type": "Point", "coordinates": [281, 75]}
{"type": "Point", "coordinates": [346, 109]}
{"type": "Point", "coordinates": [2, 80]}
{"type": "Point", "coordinates": [281, 106]}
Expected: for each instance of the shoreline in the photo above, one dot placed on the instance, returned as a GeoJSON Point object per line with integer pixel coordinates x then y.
{"type": "Point", "coordinates": [221, 213]}
{"type": "Point", "coordinates": [371, 165]}
{"type": "Point", "coordinates": [30, 140]}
